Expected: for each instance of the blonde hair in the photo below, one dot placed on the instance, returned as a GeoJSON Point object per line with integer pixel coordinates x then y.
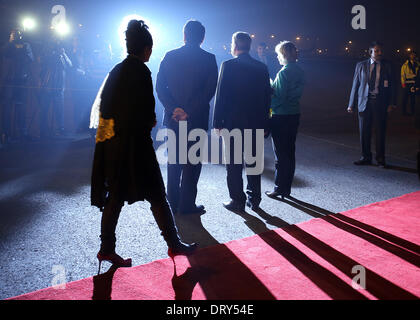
{"type": "Point", "coordinates": [287, 50]}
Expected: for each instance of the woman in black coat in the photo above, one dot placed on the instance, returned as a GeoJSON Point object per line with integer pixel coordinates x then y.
{"type": "Point", "coordinates": [125, 168]}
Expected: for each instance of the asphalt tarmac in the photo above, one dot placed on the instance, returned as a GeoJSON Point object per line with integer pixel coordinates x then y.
{"type": "Point", "coordinates": [47, 222]}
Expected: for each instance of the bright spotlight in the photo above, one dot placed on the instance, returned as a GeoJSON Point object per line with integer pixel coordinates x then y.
{"type": "Point", "coordinates": [123, 27]}
{"type": "Point", "coordinates": [62, 28]}
{"type": "Point", "coordinates": [28, 24]}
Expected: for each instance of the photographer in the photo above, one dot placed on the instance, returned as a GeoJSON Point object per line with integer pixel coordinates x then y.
{"type": "Point", "coordinates": [16, 63]}
{"type": "Point", "coordinates": [54, 63]}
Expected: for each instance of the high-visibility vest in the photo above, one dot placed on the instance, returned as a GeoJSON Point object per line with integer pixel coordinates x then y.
{"type": "Point", "coordinates": [407, 75]}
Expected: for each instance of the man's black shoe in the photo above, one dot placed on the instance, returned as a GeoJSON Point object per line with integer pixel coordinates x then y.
{"type": "Point", "coordinates": [363, 162]}
{"type": "Point", "coordinates": [234, 206]}
{"type": "Point", "coordinates": [197, 210]}
{"type": "Point", "coordinates": [381, 164]}
{"type": "Point", "coordinates": [276, 195]}
{"type": "Point", "coordinates": [253, 206]}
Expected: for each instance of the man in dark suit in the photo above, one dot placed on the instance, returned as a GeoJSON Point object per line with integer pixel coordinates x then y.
{"type": "Point", "coordinates": [243, 99]}
{"type": "Point", "coordinates": [186, 82]}
{"type": "Point", "coordinates": [268, 59]}
{"type": "Point", "coordinates": [374, 85]}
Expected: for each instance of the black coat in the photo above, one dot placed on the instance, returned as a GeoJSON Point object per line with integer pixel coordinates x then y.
{"type": "Point", "coordinates": [243, 95]}
{"type": "Point", "coordinates": [187, 79]}
{"type": "Point", "coordinates": [16, 65]}
{"type": "Point", "coordinates": [126, 164]}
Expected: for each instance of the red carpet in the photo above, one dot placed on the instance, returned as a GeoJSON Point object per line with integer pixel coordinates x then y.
{"type": "Point", "coordinates": [311, 260]}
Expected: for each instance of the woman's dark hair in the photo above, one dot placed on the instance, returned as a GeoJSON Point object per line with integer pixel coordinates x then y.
{"type": "Point", "coordinates": [137, 37]}
{"type": "Point", "coordinates": [194, 32]}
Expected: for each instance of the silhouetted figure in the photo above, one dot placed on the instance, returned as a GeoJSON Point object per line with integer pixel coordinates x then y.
{"type": "Point", "coordinates": [81, 96]}
{"type": "Point", "coordinates": [102, 284]}
{"type": "Point", "coordinates": [16, 71]}
{"type": "Point", "coordinates": [54, 64]}
{"type": "Point", "coordinates": [375, 87]}
{"type": "Point", "coordinates": [242, 102]}
{"type": "Point", "coordinates": [409, 71]}
{"type": "Point", "coordinates": [266, 57]}
{"type": "Point", "coordinates": [125, 168]}
{"type": "Point", "coordinates": [186, 82]}
{"type": "Point", "coordinates": [285, 103]}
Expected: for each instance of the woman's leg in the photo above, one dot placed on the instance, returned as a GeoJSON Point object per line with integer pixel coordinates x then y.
{"type": "Point", "coordinates": [165, 220]}
{"type": "Point", "coordinates": [284, 135]}
{"type": "Point", "coordinates": [109, 222]}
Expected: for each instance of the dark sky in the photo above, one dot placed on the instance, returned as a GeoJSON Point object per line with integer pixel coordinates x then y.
{"type": "Point", "coordinates": [393, 22]}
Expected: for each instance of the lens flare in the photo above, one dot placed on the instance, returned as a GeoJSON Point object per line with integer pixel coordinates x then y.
{"type": "Point", "coordinates": [62, 28]}
{"type": "Point", "coordinates": [28, 24]}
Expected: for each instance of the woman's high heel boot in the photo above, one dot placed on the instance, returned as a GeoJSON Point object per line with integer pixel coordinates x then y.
{"type": "Point", "coordinates": [166, 223]}
{"type": "Point", "coordinates": [107, 253]}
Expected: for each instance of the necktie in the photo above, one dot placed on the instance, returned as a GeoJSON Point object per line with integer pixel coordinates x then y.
{"type": "Point", "coordinates": [372, 81]}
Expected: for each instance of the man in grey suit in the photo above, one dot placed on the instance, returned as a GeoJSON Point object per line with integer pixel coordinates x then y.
{"type": "Point", "coordinates": [374, 85]}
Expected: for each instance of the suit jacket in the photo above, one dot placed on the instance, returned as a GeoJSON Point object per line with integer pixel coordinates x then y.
{"type": "Point", "coordinates": [187, 78]}
{"type": "Point", "coordinates": [387, 85]}
{"type": "Point", "coordinates": [272, 64]}
{"type": "Point", "coordinates": [243, 95]}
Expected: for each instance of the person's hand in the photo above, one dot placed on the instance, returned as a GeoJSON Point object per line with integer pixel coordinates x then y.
{"type": "Point", "coordinates": [350, 110]}
{"type": "Point", "coordinates": [217, 131]}
{"type": "Point", "coordinates": [179, 115]}
{"type": "Point", "coordinates": [154, 123]}
{"type": "Point", "coordinates": [391, 108]}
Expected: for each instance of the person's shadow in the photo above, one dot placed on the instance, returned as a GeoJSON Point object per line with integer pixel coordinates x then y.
{"type": "Point", "coordinates": [321, 276]}
{"type": "Point", "coordinates": [402, 169]}
{"type": "Point", "coordinates": [220, 274]}
{"type": "Point", "coordinates": [379, 286]}
{"type": "Point", "coordinates": [102, 284]}
{"type": "Point", "coordinates": [185, 283]}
